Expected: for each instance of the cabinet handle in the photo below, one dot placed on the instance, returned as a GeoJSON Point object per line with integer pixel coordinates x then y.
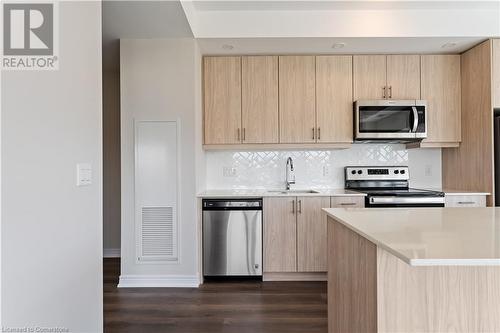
{"type": "Point", "coordinates": [383, 92]}
{"type": "Point", "coordinates": [293, 206]}
{"type": "Point", "coordinates": [313, 134]}
{"type": "Point", "coordinates": [466, 202]}
{"type": "Point", "coordinates": [347, 203]}
{"type": "Point", "coordinates": [299, 207]}
{"type": "Point", "coordinates": [319, 133]}
{"type": "Point", "coordinates": [244, 133]}
{"type": "Point", "coordinates": [390, 91]}
{"type": "Point", "coordinates": [239, 135]}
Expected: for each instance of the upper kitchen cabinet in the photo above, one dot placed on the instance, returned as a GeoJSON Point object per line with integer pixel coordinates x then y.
{"type": "Point", "coordinates": [370, 76]}
{"type": "Point", "coordinates": [386, 77]}
{"type": "Point", "coordinates": [440, 77]}
{"type": "Point", "coordinates": [259, 108]}
{"type": "Point", "coordinates": [403, 76]}
{"type": "Point", "coordinates": [222, 100]}
{"type": "Point", "coordinates": [297, 99]}
{"type": "Point", "coordinates": [334, 99]}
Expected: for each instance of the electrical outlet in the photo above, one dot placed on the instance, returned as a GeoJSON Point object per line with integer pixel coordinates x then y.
{"type": "Point", "coordinates": [229, 172]}
{"type": "Point", "coordinates": [428, 170]}
{"type": "Point", "coordinates": [326, 170]}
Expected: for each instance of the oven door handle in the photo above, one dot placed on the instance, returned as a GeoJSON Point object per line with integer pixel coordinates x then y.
{"type": "Point", "coordinates": [415, 119]}
{"type": "Point", "coordinates": [388, 200]}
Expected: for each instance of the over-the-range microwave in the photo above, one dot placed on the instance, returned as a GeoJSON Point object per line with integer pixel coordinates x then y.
{"type": "Point", "coordinates": [390, 120]}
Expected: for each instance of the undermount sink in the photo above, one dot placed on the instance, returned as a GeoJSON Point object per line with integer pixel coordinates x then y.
{"type": "Point", "coordinates": [294, 191]}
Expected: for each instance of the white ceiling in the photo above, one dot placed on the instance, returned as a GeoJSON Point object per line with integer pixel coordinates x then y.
{"type": "Point", "coordinates": [223, 5]}
{"type": "Point", "coordinates": [344, 19]}
{"type": "Point", "coordinates": [377, 26]}
{"type": "Point", "coordinates": [139, 19]}
{"type": "Point", "coordinates": [284, 26]}
{"type": "Point", "coordinates": [144, 19]}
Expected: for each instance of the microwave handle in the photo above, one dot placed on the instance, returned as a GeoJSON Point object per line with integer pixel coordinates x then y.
{"type": "Point", "coordinates": [415, 119]}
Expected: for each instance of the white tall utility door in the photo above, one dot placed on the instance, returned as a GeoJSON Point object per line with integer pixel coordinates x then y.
{"type": "Point", "coordinates": [156, 187]}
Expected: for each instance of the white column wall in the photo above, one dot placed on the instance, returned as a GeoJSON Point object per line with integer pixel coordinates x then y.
{"type": "Point", "coordinates": [51, 229]}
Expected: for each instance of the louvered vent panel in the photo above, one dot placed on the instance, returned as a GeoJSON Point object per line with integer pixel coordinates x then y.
{"type": "Point", "coordinates": [158, 234]}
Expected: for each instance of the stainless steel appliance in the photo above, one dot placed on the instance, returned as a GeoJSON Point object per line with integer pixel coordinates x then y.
{"type": "Point", "coordinates": [389, 187]}
{"type": "Point", "coordinates": [232, 237]}
{"type": "Point", "coordinates": [390, 120]}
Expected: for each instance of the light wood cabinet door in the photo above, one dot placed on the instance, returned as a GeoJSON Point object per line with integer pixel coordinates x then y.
{"type": "Point", "coordinates": [496, 72]}
{"type": "Point", "coordinates": [297, 99]}
{"type": "Point", "coordinates": [280, 234]}
{"type": "Point", "coordinates": [370, 76]}
{"type": "Point", "coordinates": [334, 99]}
{"type": "Point", "coordinates": [403, 76]}
{"type": "Point", "coordinates": [348, 202]}
{"type": "Point", "coordinates": [311, 234]}
{"type": "Point", "coordinates": [465, 201]}
{"type": "Point", "coordinates": [259, 75]}
{"type": "Point", "coordinates": [222, 100]}
{"type": "Point", "coordinates": [440, 76]}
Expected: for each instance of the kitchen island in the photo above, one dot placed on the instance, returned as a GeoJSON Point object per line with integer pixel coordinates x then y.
{"type": "Point", "coordinates": [414, 270]}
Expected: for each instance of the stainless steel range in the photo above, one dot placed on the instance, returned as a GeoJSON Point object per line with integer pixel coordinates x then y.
{"type": "Point", "coordinates": [389, 187]}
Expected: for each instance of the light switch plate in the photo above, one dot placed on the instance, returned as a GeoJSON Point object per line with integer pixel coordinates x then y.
{"type": "Point", "coordinates": [83, 174]}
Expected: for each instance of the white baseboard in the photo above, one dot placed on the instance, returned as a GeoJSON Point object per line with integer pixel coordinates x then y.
{"type": "Point", "coordinates": [111, 253]}
{"type": "Point", "coordinates": [159, 281]}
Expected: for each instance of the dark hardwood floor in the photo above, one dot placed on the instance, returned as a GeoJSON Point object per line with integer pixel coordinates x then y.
{"type": "Point", "coordinates": [240, 307]}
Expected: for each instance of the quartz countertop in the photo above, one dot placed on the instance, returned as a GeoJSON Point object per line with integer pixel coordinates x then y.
{"type": "Point", "coordinates": [429, 236]}
{"type": "Point", "coordinates": [256, 193]}
{"type": "Point", "coordinates": [448, 191]}
{"type": "Point", "coordinates": [329, 192]}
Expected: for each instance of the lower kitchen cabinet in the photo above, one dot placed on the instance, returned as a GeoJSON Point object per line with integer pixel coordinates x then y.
{"type": "Point", "coordinates": [295, 232]}
{"type": "Point", "coordinates": [280, 234]}
{"type": "Point", "coordinates": [348, 202]}
{"type": "Point", "coordinates": [311, 234]}
{"type": "Point", "coordinates": [465, 201]}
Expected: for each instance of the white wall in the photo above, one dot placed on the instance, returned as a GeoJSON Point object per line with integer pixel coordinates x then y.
{"type": "Point", "coordinates": [51, 229]}
{"type": "Point", "coordinates": [318, 168]}
{"type": "Point", "coordinates": [199, 152]}
{"type": "Point", "coordinates": [425, 168]}
{"type": "Point", "coordinates": [159, 82]}
{"type": "Point", "coordinates": [111, 162]}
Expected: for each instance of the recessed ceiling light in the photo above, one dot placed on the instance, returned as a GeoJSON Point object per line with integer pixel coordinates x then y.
{"type": "Point", "coordinates": [227, 47]}
{"type": "Point", "coordinates": [448, 45]}
{"type": "Point", "coordinates": [338, 45]}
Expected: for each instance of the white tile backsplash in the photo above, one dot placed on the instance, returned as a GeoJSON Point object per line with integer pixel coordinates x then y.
{"type": "Point", "coordinates": [316, 168]}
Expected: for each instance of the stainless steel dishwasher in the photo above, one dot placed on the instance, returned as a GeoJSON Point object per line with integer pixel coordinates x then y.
{"type": "Point", "coordinates": [232, 237]}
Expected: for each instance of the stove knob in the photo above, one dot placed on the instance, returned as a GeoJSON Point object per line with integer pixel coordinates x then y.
{"type": "Point", "coordinates": [353, 172]}
{"type": "Point", "coordinates": [396, 171]}
{"type": "Point", "coordinates": [360, 172]}
{"type": "Point", "coordinates": [402, 172]}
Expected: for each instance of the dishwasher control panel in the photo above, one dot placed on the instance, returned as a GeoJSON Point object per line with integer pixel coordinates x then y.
{"type": "Point", "coordinates": [232, 203]}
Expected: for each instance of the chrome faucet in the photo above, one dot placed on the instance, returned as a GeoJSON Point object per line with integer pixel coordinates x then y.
{"type": "Point", "coordinates": [290, 175]}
